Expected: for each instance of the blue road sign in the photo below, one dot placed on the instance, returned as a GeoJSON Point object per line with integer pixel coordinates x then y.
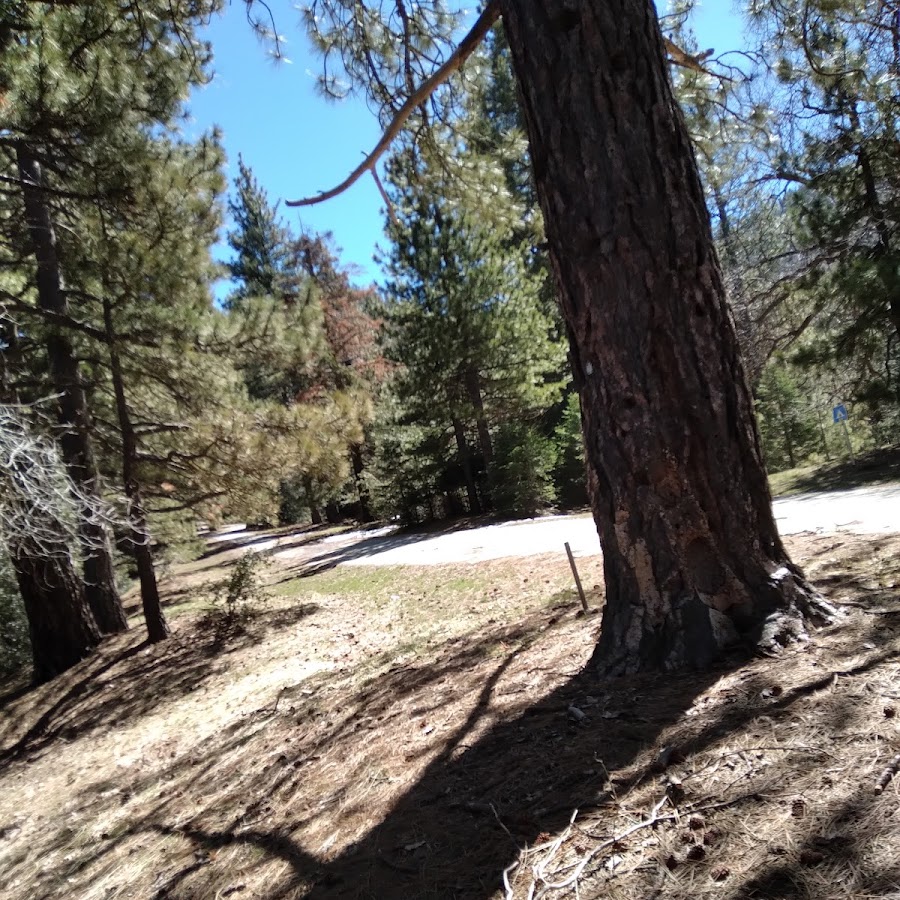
{"type": "Point", "coordinates": [840, 413]}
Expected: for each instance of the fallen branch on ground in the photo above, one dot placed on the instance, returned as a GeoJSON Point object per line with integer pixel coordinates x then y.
{"type": "Point", "coordinates": [890, 770]}
{"type": "Point", "coordinates": [539, 869]}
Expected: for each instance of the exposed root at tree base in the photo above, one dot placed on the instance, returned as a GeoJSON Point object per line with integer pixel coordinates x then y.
{"type": "Point", "coordinates": [789, 624]}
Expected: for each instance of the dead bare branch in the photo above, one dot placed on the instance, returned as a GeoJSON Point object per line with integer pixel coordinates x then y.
{"type": "Point", "coordinates": [426, 89]}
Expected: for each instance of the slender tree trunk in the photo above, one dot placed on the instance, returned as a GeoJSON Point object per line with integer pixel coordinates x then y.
{"type": "Point", "coordinates": [314, 512]}
{"type": "Point", "coordinates": [747, 330]}
{"type": "Point", "coordinates": [157, 627]}
{"type": "Point", "coordinates": [99, 575]}
{"type": "Point", "coordinates": [787, 431]}
{"type": "Point", "coordinates": [692, 558]}
{"type": "Point", "coordinates": [473, 389]}
{"type": "Point", "coordinates": [365, 501]}
{"type": "Point", "coordinates": [465, 460]}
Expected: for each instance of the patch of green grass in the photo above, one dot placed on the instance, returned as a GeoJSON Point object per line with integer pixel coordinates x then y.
{"type": "Point", "coordinates": [876, 467]}
{"type": "Point", "coordinates": [559, 598]}
{"type": "Point", "coordinates": [342, 581]}
{"type": "Point", "coordinates": [382, 582]}
{"type": "Point", "coordinates": [198, 603]}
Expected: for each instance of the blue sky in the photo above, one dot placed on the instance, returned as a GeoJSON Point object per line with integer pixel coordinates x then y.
{"type": "Point", "coordinates": [297, 143]}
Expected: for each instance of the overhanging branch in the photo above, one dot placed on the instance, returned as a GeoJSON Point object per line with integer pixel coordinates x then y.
{"type": "Point", "coordinates": [686, 60]}
{"type": "Point", "coordinates": [468, 44]}
{"type": "Point", "coordinates": [427, 88]}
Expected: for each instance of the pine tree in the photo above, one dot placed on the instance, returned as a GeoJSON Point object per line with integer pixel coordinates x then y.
{"type": "Point", "coordinates": [464, 319]}
{"type": "Point", "coordinates": [97, 92]}
{"type": "Point", "coordinates": [690, 543]}
{"type": "Point", "coordinates": [351, 361]}
{"type": "Point", "coordinates": [74, 416]}
{"type": "Point", "coordinates": [260, 243]}
{"type": "Point", "coordinates": [836, 65]}
{"type": "Point", "coordinates": [30, 82]}
{"type": "Point", "coordinates": [786, 423]}
{"type": "Point", "coordinates": [309, 343]}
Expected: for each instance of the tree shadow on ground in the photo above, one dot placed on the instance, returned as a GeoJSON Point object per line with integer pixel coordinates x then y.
{"type": "Point", "coordinates": [287, 537]}
{"type": "Point", "coordinates": [382, 543]}
{"type": "Point", "coordinates": [489, 793]}
{"type": "Point", "coordinates": [290, 538]}
{"type": "Point", "coordinates": [324, 562]}
{"type": "Point", "coordinates": [868, 573]}
{"type": "Point", "coordinates": [873, 468]}
{"type": "Point", "coordinates": [295, 798]}
{"type": "Point", "coordinates": [127, 678]}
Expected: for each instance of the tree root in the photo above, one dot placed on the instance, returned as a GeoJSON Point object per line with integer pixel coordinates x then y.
{"type": "Point", "coordinates": [801, 606]}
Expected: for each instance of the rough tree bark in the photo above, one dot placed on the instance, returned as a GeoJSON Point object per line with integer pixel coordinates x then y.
{"type": "Point", "coordinates": [692, 556]}
{"type": "Point", "coordinates": [60, 622]}
{"type": "Point", "coordinates": [75, 440]}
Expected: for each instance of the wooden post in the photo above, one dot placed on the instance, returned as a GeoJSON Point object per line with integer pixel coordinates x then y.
{"type": "Point", "coordinates": [584, 604]}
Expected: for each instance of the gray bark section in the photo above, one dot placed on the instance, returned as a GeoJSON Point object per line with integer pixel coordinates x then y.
{"type": "Point", "coordinates": [692, 556]}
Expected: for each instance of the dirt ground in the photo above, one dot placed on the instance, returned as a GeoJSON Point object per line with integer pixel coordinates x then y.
{"type": "Point", "coordinates": [430, 732]}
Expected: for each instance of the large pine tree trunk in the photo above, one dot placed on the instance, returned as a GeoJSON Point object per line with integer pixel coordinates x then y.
{"type": "Point", "coordinates": [692, 557]}
{"type": "Point", "coordinates": [99, 575]}
{"type": "Point", "coordinates": [60, 622]}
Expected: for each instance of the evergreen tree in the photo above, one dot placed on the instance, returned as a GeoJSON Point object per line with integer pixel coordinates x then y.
{"type": "Point", "coordinates": [569, 474]}
{"type": "Point", "coordinates": [309, 345]}
{"type": "Point", "coordinates": [140, 210]}
{"type": "Point", "coordinates": [836, 64]}
{"type": "Point", "coordinates": [786, 422]}
{"type": "Point", "coordinates": [690, 543]}
{"type": "Point", "coordinates": [464, 319]}
{"type": "Point", "coordinates": [351, 362]}
{"type": "Point", "coordinates": [524, 476]}
{"type": "Point", "coordinates": [260, 243]}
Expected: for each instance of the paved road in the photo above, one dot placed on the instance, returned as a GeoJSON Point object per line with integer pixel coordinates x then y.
{"type": "Point", "coordinates": [873, 510]}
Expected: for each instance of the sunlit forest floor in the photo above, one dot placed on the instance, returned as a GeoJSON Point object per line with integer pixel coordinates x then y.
{"type": "Point", "coordinates": [430, 733]}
